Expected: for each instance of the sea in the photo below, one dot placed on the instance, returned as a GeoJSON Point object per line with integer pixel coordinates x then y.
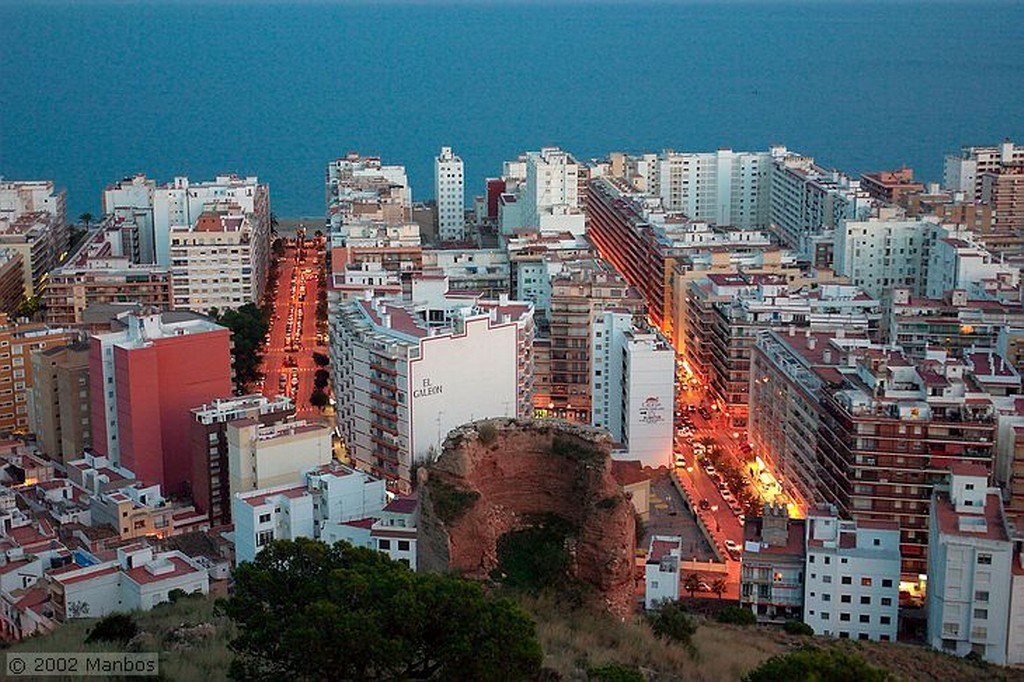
{"type": "Point", "coordinates": [92, 91]}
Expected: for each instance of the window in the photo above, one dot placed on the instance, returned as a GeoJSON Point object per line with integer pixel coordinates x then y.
{"type": "Point", "coordinates": [847, 580]}
{"type": "Point", "coordinates": [951, 629]}
{"type": "Point", "coordinates": [845, 617]}
{"type": "Point", "coordinates": [824, 615]}
{"type": "Point", "coordinates": [654, 584]}
{"type": "Point", "coordinates": [865, 618]}
{"type": "Point", "coordinates": [981, 595]}
{"type": "Point", "coordinates": [384, 544]}
{"type": "Point", "coordinates": [843, 560]}
{"type": "Point", "coordinates": [845, 598]}
{"type": "Point", "coordinates": [863, 636]}
{"type": "Point", "coordinates": [981, 614]}
{"type": "Point", "coordinates": [828, 560]}
{"type": "Point", "coordinates": [865, 582]}
{"type": "Point", "coordinates": [825, 597]}
{"type": "Point", "coordinates": [865, 600]}
{"type": "Point", "coordinates": [403, 545]}
{"type": "Point", "coordinates": [886, 601]}
{"type": "Point", "coordinates": [985, 559]}
{"type": "Point", "coordinates": [811, 559]}
{"type": "Point", "coordinates": [887, 583]}
{"type": "Point", "coordinates": [264, 518]}
{"type": "Point", "coordinates": [826, 579]}
{"type": "Point", "coordinates": [264, 537]}
{"type": "Point", "coordinates": [884, 620]}
{"type": "Point", "coordinates": [877, 542]}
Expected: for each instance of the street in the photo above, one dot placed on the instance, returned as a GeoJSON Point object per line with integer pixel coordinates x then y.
{"type": "Point", "coordinates": [288, 364]}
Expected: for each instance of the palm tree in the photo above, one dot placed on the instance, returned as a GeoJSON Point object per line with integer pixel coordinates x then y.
{"type": "Point", "coordinates": [692, 584]}
{"type": "Point", "coordinates": [85, 218]}
{"type": "Point", "coordinates": [718, 586]}
{"type": "Point", "coordinates": [274, 223]}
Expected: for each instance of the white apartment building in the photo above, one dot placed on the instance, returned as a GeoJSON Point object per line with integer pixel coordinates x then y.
{"type": "Point", "coordinates": [963, 172]}
{"type": "Point", "coordinates": [408, 372]}
{"type": "Point", "coordinates": [182, 202]}
{"type": "Point", "coordinates": [722, 187]}
{"type": "Point", "coordinates": [21, 197]}
{"type": "Point", "coordinates": [134, 196]}
{"type": "Point", "coordinates": [807, 200]}
{"type": "Point", "coordinates": [219, 261]}
{"type": "Point", "coordinates": [661, 571]}
{"type": "Point", "coordinates": [887, 250]}
{"type": "Point", "coordinates": [549, 198]}
{"type": "Point", "coordinates": [362, 187]}
{"type": "Point", "coordinates": [970, 569]}
{"type": "Point", "coordinates": [958, 261]}
{"type": "Point", "coordinates": [450, 191]}
{"type": "Point", "coordinates": [137, 580]}
{"type": "Point", "coordinates": [327, 498]}
{"type": "Point", "coordinates": [265, 455]}
{"type": "Point", "coordinates": [632, 376]}
{"type": "Point", "coordinates": [394, 533]}
{"type": "Point", "coordinates": [855, 591]}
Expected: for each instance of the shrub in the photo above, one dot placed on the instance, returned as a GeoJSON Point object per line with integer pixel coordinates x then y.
{"type": "Point", "coordinates": [117, 627]}
{"type": "Point", "coordinates": [614, 673]}
{"type": "Point", "coordinates": [813, 664]}
{"type": "Point", "coordinates": [608, 502]}
{"type": "Point", "coordinates": [574, 450]}
{"type": "Point", "coordinates": [536, 557]}
{"type": "Point", "coordinates": [737, 615]}
{"type": "Point", "coordinates": [487, 432]}
{"type": "Point", "coordinates": [174, 595]}
{"type": "Point", "coordinates": [450, 502]}
{"type": "Point", "coordinates": [671, 621]}
{"type": "Point", "coordinates": [796, 627]}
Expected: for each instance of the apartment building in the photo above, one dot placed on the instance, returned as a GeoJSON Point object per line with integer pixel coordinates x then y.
{"type": "Point", "coordinates": [34, 237]}
{"type": "Point", "coordinates": [891, 187]}
{"type": "Point", "coordinates": [736, 322]}
{"type": "Point", "coordinates": [17, 343]}
{"type": "Point", "coordinates": [103, 269]}
{"type": "Point", "coordinates": [141, 402]}
{"type": "Point", "coordinates": [373, 255]}
{"type": "Point", "coordinates": [964, 172]}
{"type": "Point", "coordinates": [807, 200]}
{"type": "Point", "coordinates": [485, 271]}
{"type": "Point", "coordinates": [361, 187]}
{"type": "Point", "coordinates": [220, 261]}
{"type": "Point", "coordinates": [535, 259]}
{"type": "Point", "coordinates": [954, 322]}
{"type": "Point", "coordinates": [210, 480]}
{"type": "Point", "coordinates": [633, 380]}
{"type": "Point", "coordinates": [46, 221]}
{"type": "Point", "coordinates": [661, 570]}
{"type": "Point", "coordinates": [973, 569]}
{"type": "Point", "coordinates": [450, 193]}
{"type": "Point", "coordinates": [580, 291]}
{"type": "Point", "coordinates": [12, 281]}
{"type": "Point", "coordinates": [131, 199]}
{"type": "Point", "coordinates": [324, 498]}
{"type": "Point", "coordinates": [550, 197]}
{"type": "Point", "coordinates": [182, 201]}
{"type": "Point", "coordinates": [852, 574]}
{"type": "Point", "coordinates": [267, 455]}
{"type": "Point", "coordinates": [408, 372]}
{"type": "Point", "coordinates": [59, 400]}
{"type": "Point", "coordinates": [772, 565]}
{"type": "Point", "coordinates": [1004, 192]}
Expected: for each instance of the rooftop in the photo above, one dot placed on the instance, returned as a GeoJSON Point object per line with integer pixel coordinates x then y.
{"type": "Point", "coordinates": [987, 526]}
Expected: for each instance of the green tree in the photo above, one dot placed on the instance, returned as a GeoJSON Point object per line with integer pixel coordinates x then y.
{"type": "Point", "coordinates": [274, 223]}
{"type": "Point", "coordinates": [718, 586]}
{"type": "Point", "coordinates": [813, 665]}
{"type": "Point", "coordinates": [249, 325]}
{"type": "Point", "coordinates": [671, 621]}
{"type": "Point", "coordinates": [308, 611]}
{"type": "Point", "coordinates": [691, 584]}
{"type": "Point", "coordinates": [321, 379]}
{"type": "Point", "coordinates": [86, 218]}
{"type": "Point", "coordinates": [737, 615]}
{"type": "Point", "coordinates": [320, 359]}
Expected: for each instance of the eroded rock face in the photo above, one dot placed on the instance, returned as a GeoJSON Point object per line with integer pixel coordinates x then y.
{"type": "Point", "coordinates": [493, 476]}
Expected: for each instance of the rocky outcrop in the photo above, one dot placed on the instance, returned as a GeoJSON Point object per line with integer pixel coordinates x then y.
{"type": "Point", "coordinates": [494, 476]}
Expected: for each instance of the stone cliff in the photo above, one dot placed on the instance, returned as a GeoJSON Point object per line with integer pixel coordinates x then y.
{"type": "Point", "coordinates": [494, 476]}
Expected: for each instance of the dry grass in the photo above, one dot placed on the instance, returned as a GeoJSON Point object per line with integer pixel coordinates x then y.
{"type": "Point", "coordinates": [207, 660]}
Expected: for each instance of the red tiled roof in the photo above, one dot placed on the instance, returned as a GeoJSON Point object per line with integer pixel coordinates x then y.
{"type": "Point", "coordinates": [628, 472]}
{"type": "Point", "coordinates": [85, 575]}
{"type": "Point", "coordinates": [660, 549]}
{"type": "Point", "coordinates": [361, 523]}
{"type": "Point", "coordinates": [14, 565]}
{"type": "Point", "coordinates": [962, 468]}
{"type": "Point", "coordinates": [292, 493]}
{"type": "Point", "coordinates": [794, 540]}
{"type": "Point", "coordinates": [949, 519]}
{"type": "Point", "coordinates": [401, 505]}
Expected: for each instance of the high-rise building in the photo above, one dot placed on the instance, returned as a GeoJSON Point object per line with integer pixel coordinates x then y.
{"type": "Point", "coordinates": [102, 270]}
{"type": "Point", "coordinates": [891, 187]}
{"type": "Point", "coordinates": [964, 172]}
{"type": "Point", "coordinates": [211, 489]}
{"type": "Point", "coordinates": [59, 401]}
{"type": "Point", "coordinates": [12, 281]}
{"type": "Point", "coordinates": [33, 236]}
{"type": "Point", "coordinates": [133, 198]}
{"type": "Point", "coordinates": [16, 378]}
{"type": "Point", "coordinates": [633, 386]}
{"type": "Point", "coordinates": [578, 292]}
{"type": "Point", "coordinates": [182, 202]}
{"type": "Point", "coordinates": [18, 198]}
{"type": "Point", "coordinates": [144, 382]}
{"type": "Point", "coordinates": [1003, 191]}
{"type": "Point", "coordinates": [220, 261]}
{"type": "Point", "coordinates": [449, 189]}
{"type": "Point", "coordinates": [407, 372]}
{"type": "Point", "coordinates": [361, 188]}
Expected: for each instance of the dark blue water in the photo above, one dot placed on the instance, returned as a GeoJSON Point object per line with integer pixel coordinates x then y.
{"type": "Point", "coordinates": [90, 92]}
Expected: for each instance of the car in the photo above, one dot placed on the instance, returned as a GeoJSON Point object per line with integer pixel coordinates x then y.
{"type": "Point", "coordinates": [680, 462]}
{"type": "Point", "coordinates": [704, 504]}
{"type": "Point", "coordinates": [726, 495]}
{"type": "Point", "coordinates": [710, 469]}
{"type": "Point", "coordinates": [691, 408]}
{"type": "Point", "coordinates": [703, 587]}
{"type": "Point", "coordinates": [732, 548]}
{"type": "Point", "coordinates": [704, 412]}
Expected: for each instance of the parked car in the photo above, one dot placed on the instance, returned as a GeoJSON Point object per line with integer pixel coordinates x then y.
{"type": "Point", "coordinates": [680, 461]}
{"type": "Point", "coordinates": [710, 469]}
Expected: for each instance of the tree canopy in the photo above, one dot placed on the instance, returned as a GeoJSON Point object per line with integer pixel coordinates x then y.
{"type": "Point", "coordinates": [249, 325]}
{"type": "Point", "coordinates": [309, 611]}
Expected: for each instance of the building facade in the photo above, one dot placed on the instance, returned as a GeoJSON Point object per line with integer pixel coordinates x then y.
{"type": "Point", "coordinates": [450, 192]}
